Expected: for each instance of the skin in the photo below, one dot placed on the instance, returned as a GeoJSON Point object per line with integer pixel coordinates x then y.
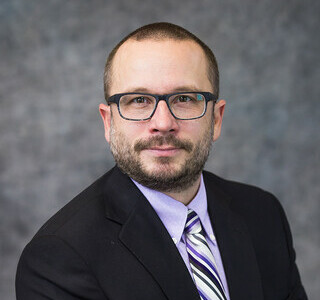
{"type": "Point", "coordinates": [162, 67]}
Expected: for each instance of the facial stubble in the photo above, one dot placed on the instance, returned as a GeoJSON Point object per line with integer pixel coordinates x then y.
{"type": "Point", "coordinates": [164, 178]}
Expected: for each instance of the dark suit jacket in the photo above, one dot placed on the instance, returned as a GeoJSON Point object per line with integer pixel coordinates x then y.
{"type": "Point", "coordinates": [109, 243]}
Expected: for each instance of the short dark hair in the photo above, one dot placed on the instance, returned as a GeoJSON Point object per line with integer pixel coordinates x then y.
{"type": "Point", "coordinates": [161, 31]}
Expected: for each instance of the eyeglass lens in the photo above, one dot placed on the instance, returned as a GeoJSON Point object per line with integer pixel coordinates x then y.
{"type": "Point", "coordinates": [183, 106]}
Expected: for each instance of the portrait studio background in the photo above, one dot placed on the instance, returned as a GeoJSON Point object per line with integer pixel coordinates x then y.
{"type": "Point", "coordinates": [52, 140]}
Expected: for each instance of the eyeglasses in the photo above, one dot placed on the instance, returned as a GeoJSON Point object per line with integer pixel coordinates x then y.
{"type": "Point", "coordinates": [183, 105]}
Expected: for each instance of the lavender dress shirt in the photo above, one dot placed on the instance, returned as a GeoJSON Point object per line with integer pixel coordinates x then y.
{"type": "Point", "coordinates": [173, 215]}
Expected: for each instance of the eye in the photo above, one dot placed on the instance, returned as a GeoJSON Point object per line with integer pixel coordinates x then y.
{"type": "Point", "coordinates": [140, 100]}
{"type": "Point", "coordinates": [136, 100]}
{"type": "Point", "coordinates": [184, 98]}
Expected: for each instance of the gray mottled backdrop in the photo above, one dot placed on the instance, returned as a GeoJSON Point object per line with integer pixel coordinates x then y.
{"type": "Point", "coordinates": [52, 141]}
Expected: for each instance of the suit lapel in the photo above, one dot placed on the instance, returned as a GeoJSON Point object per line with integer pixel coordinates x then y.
{"type": "Point", "coordinates": [235, 246]}
{"type": "Point", "coordinates": [146, 237]}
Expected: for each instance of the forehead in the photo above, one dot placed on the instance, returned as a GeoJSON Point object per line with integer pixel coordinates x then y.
{"type": "Point", "coordinates": [159, 65]}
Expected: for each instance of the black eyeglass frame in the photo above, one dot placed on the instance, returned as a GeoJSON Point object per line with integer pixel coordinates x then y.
{"type": "Point", "coordinates": [207, 96]}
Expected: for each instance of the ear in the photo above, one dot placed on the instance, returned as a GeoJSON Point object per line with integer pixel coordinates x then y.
{"type": "Point", "coordinates": [218, 115]}
{"type": "Point", "coordinates": [105, 112]}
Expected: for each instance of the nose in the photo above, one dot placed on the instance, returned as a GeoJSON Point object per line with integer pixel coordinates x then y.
{"type": "Point", "coordinates": [162, 120]}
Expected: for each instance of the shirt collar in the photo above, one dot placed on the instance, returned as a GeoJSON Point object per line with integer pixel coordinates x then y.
{"type": "Point", "coordinates": [173, 213]}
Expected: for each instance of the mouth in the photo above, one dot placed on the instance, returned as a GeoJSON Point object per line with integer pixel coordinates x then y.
{"type": "Point", "coordinates": [163, 150]}
{"type": "Point", "coordinates": [164, 145]}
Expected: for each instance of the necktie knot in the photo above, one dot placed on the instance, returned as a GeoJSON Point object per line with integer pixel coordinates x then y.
{"type": "Point", "coordinates": [193, 224]}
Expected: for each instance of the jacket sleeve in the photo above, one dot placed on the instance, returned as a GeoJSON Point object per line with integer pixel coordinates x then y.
{"type": "Point", "coordinates": [42, 271]}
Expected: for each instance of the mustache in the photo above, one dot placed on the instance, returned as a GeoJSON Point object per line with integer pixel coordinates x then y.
{"type": "Point", "coordinates": [170, 140]}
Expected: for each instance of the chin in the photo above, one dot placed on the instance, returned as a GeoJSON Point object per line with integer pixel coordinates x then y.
{"type": "Point", "coordinates": [163, 167]}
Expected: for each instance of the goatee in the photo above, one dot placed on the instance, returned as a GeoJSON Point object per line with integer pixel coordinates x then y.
{"type": "Point", "coordinates": [163, 178]}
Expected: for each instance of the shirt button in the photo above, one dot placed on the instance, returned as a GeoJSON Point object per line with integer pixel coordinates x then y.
{"type": "Point", "coordinates": [212, 237]}
{"type": "Point", "coordinates": [174, 240]}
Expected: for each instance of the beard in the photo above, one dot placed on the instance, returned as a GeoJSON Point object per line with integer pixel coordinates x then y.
{"type": "Point", "coordinates": [165, 177]}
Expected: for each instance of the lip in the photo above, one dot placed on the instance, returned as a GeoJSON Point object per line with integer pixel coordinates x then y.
{"type": "Point", "coordinates": [163, 150]}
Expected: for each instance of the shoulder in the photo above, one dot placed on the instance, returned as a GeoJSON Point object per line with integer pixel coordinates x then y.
{"type": "Point", "coordinates": [237, 191]}
{"type": "Point", "coordinates": [64, 244]}
{"type": "Point", "coordinates": [93, 215]}
{"type": "Point", "coordinates": [259, 210]}
{"type": "Point", "coordinates": [79, 209]}
{"type": "Point", "coordinates": [265, 221]}
{"type": "Point", "coordinates": [251, 202]}
{"type": "Point", "coordinates": [82, 222]}
{"type": "Point", "coordinates": [232, 188]}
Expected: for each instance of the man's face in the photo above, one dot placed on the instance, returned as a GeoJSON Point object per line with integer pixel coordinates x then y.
{"type": "Point", "coordinates": [162, 153]}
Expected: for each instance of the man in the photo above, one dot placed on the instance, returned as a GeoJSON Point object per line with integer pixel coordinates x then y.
{"type": "Point", "coordinates": [156, 226]}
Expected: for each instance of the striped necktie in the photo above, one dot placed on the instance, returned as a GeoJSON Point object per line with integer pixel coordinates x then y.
{"type": "Point", "coordinates": [202, 262]}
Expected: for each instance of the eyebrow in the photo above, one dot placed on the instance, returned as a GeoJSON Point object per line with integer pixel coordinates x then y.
{"type": "Point", "coordinates": [177, 89]}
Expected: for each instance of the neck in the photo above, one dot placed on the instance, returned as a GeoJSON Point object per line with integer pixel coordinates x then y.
{"type": "Point", "coordinates": [187, 195]}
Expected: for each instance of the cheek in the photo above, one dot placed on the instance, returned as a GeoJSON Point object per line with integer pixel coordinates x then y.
{"type": "Point", "coordinates": [128, 131]}
{"type": "Point", "coordinates": [197, 128]}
